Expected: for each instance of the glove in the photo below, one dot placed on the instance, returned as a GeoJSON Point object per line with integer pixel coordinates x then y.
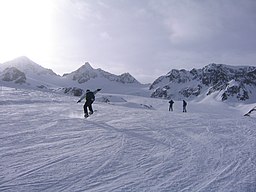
{"type": "Point", "coordinates": [98, 89]}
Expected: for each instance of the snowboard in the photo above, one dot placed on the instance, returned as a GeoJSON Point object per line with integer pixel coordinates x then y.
{"type": "Point", "coordinates": [89, 114]}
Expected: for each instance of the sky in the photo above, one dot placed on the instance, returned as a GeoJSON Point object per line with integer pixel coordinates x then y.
{"type": "Point", "coordinates": [146, 38]}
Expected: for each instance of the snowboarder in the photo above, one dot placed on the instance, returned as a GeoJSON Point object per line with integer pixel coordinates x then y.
{"type": "Point", "coordinates": [184, 106]}
{"type": "Point", "coordinates": [171, 105]}
{"type": "Point", "coordinates": [89, 99]}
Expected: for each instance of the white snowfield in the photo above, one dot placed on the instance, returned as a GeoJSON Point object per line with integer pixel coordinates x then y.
{"type": "Point", "coordinates": [131, 143]}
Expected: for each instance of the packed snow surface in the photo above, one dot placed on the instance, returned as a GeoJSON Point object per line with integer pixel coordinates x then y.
{"type": "Point", "coordinates": [130, 143]}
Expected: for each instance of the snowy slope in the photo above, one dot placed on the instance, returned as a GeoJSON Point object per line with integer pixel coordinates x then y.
{"type": "Point", "coordinates": [47, 145]}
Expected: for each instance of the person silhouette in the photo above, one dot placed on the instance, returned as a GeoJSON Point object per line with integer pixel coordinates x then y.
{"type": "Point", "coordinates": [171, 102]}
{"type": "Point", "coordinates": [89, 97]}
{"type": "Point", "coordinates": [184, 106]}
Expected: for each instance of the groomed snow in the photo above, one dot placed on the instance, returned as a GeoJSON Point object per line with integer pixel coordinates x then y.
{"type": "Point", "coordinates": [47, 145]}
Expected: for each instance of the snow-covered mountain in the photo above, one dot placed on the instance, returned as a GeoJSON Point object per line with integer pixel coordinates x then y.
{"type": "Point", "coordinates": [24, 73]}
{"type": "Point", "coordinates": [87, 73]}
{"type": "Point", "coordinates": [86, 77]}
{"type": "Point", "coordinates": [224, 82]}
{"type": "Point", "coordinates": [27, 66]}
{"type": "Point", "coordinates": [12, 74]}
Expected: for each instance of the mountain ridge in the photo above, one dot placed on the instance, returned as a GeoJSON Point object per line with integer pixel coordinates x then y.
{"type": "Point", "coordinates": [35, 76]}
{"type": "Point", "coordinates": [26, 65]}
{"type": "Point", "coordinates": [221, 81]}
{"type": "Point", "coordinates": [86, 72]}
{"type": "Point", "coordinates": [229, 83]}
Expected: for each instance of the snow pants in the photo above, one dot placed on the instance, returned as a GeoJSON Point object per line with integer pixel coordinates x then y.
{"type": "Point", "coordinates": [88, 104]}
{"type": "Point", "coordinates": [184, 109]}
{"type": "Point", "coordinates": [170, 107]}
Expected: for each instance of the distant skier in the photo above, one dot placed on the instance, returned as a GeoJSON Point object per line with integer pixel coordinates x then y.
{"type": "Point", "coordinates": [171, 105]}
{"type": "Point", "coordinates": [89, 99]}
{"type": "Point", "coordinates": [184, 106]}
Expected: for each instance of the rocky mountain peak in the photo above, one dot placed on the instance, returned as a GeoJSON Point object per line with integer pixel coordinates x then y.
{"type": "Point", "coordinates": [14, 75]}
{"type": "Point", "coordinates": [86, 67]}
{"type": "Point", "coordinates": [127, 78]}
{"type": "Point", "coordinates": [86, 73]}
{"type": "Point", "coordinates": [24, 73]}
{"type": "Point", "coordinates": [83, 74]}
{"type": "Point", "coordinates": [228, 82]}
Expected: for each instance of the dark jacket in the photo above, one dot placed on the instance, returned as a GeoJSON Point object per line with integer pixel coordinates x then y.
{"type": "Point", "coordinates": [184, 103]}
{"type": "Point", "coordinates": [89, 95]}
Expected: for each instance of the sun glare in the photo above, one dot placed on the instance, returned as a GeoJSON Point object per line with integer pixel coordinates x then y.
{"type": "Point", "coordinates": [25, 28]}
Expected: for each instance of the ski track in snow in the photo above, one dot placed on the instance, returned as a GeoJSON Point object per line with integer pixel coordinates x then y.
{"type": "Point", "coordinates": [47, 145]}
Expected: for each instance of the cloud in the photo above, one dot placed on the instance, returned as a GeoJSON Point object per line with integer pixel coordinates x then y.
{"type": "Point", "coordinates": [148, 38]}
{"type": "Point", "coordinates": [221, 25]}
